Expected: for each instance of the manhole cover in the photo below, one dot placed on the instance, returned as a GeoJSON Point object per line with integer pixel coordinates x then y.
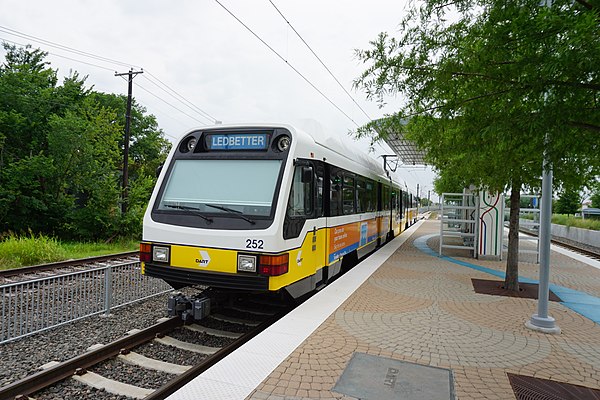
{"type": "Point", "coordinates": [370, 377]}
{"type": "Point", "coordinates": [529, 388]}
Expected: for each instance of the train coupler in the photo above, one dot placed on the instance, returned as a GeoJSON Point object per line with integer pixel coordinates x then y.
{"type": "Point", "coordinates": [190, 309]}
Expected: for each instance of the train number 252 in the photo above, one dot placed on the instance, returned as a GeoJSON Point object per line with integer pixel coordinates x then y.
{"type": "Point", "coordinates": [254, 244]}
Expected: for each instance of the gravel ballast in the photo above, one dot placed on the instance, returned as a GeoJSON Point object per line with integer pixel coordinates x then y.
{"type": "Point", "coordinates": [23, 357]}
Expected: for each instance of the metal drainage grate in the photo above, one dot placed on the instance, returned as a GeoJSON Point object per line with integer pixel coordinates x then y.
{"type": "Point", "coordinates": [529, 388]}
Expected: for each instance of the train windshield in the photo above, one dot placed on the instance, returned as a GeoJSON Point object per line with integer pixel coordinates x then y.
{"type": "Point", "coordinates": [245, 187]}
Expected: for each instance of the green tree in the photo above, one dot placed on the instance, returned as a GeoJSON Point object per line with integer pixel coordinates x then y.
{"type": "Point", "coordinates": [595, 194]}
{"type": "Point", "coordinates": [596, 199]}
{"type": "Point", "coordinates": [147, 151]}
{"type": "Point", "coordinates": [61, 153]}
{"type": "Point", "coordinates": [569, 202]}
{"type": "Point", "coordinates": [489, 84]}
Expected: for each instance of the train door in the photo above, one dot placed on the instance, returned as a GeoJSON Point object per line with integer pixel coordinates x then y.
{"type": "Point", "coordinates": [305, 219]}
{"type": "Point", "coordinates": [319, 238]}
{"type": "Point", "coordinates": [380, 207]}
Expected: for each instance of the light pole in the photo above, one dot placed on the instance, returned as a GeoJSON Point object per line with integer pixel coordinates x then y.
{"type": "Point", "coordinates": [542, 321]}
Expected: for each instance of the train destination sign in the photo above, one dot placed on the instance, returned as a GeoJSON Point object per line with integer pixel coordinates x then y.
{"type": "Point", "coordinates": [238, 141]}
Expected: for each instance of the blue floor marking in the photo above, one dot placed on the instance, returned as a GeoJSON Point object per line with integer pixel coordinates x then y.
{"type": "Point", "coordinates": [580, 302]}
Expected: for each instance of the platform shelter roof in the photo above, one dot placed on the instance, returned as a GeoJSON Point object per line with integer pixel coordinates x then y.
{"type": "Point", "coordinates": [406, 150]}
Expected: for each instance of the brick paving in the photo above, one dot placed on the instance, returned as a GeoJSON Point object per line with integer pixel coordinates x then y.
{"type": "Point", "coordinates": [423, 309]}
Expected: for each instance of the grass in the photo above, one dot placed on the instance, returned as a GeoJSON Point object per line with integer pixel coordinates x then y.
{"type": "Point", "coordinates": [19, 251]}
{"type": "Point", "coordinates": [569, 220]}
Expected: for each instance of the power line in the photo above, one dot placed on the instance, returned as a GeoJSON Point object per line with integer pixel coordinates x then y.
{"type": "Point", "coordinates": [60, 55]}
{"type": "Point", "coordinates": [62, 47]}
{"type": "Point", "coordinates": [286, 61]}
{"type": "Point", "coordinates": [179, 97]}
{"type": "Point", "coordinates": [321, 61]}
{"type": "Point", "coordinates": [108, 69]}
{"type": "Point", "coordinates": [169, 104]}
{"type": "Point", "coordinates": [170, 91]}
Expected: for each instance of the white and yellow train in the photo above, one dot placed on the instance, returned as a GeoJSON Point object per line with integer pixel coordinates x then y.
{"type": "Point", "coordinates": [266, 208]}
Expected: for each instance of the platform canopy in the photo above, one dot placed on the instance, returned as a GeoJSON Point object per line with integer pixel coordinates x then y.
{"type": "Point", "coordinates": [393, 132]}
{"type": "Point", "coordinates": [405, 149]}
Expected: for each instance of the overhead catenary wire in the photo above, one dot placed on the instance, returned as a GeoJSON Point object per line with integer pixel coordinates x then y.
{"type": "Point", "coordinates": [168, 89]}
{"type": "Point", "coordinates": [165, 88]}
{"type": "Point", "coordinates": [169, 104]}
{"type": "Point", "coordinates": [319, 59]}
{"type": "Point", "coordinates": [61, 56]}
{"type": "Point", "coordinates": [287, 62]}
{"type": "Point", "coordinates": [63, 47]}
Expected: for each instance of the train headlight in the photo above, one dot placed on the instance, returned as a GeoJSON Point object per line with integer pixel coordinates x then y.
{"type": "Point", "coordinates": [160, 254]}
{"type": "Point", "coordinates": [246, 263]}
{"type": "Point", "coordinates": [283, 143]}
{"type": "Point", "coordinates": [191, 144]}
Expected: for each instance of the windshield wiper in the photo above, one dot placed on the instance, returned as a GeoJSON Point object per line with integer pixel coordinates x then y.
{"type": "Point", "coordinates": [192, 210]}
{"type": "Point", "coordinates": [232, 211]}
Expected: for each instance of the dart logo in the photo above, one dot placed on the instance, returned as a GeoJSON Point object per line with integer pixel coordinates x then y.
{"type": "Point", "coordinates": [204, 259]}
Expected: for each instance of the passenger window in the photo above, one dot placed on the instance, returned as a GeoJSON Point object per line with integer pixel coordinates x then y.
{"type": "Point", "coordinates": [335, 199]}
{"type": "Point", "coordinates": [386, 198]}
{"type": "Point", "coordinates": [361, 196]}
{"type": "Point", "coordinates": [348, 195]}
{"type": "Point", "coordinates": [301, 195]}
{"type": "Point", "coordinates": [371, 196]}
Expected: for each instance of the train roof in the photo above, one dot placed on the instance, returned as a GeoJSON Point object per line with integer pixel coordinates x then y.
{"type": "Point", "coordinates": [345, 154]}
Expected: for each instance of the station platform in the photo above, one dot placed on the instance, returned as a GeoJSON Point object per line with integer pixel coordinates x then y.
{"type": "Point", "coordinates": [404, 309]}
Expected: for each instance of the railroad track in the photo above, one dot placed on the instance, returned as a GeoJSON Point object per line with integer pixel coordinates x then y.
{"type": "Point", "coordinates": [578, 249]}
{"type": "Point", "coordinates": [588, 252]}
{"type": "Point", "coordinates": [207, 341]}
{"type": "Point", "coordinates": [24, 273]}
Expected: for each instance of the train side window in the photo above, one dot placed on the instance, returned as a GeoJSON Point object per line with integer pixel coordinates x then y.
{"type": "Point", "coordinates": [348, 195]}
{"type": "Point", "coordinates": [386, 198]}
{"type": "Point", "coordinates": [335, 193]}
{"type": "Point", "coordinates": [301, 195]}
{"type": "Point", "coordinates": [361, 195]}
{"type": "Point", "coordinates": [371, 196]}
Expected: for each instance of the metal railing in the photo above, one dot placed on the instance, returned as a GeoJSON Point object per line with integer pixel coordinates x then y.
{"type": "Point", "coordinates": [36, 305]}
{"type": "Point", "coordinates": [458, 219]}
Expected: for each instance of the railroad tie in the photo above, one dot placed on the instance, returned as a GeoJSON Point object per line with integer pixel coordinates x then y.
{"type": "Point", "coordinates": [196, 348]}
{"type": "Point", "coordinates": [151, 363]}
{"type": "Point", "coordinates": [115, 387]}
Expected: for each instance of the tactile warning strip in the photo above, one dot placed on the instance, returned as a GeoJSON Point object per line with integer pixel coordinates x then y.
{"type": "Point", "coordinates": [529, 388]}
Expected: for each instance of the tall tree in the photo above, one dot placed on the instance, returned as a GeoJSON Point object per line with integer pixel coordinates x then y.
{"type": "Point", "coordinates": [596, 197]}
{"type": "Point", "coordinates": [490, 85]}
{"type": "Point", "coordinates": [569, 202]}
{"type": "Point", "coordinates": [61, 153]}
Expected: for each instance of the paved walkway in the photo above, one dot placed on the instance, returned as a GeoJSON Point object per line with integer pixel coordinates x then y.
{"type": "Point", "coordinates": [421, 308]}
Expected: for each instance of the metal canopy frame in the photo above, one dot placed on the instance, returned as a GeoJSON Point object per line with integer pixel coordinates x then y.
{"type": "Point", "coordinates": [405, 149]}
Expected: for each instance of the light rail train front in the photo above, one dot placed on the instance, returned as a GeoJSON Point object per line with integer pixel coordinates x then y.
{"type": "Point", "coordinates": [263, 208]}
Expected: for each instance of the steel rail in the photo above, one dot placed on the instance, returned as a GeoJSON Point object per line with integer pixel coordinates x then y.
{"type": "Point", "coordinates": [570, 246]}
{"type": "Point", "coordinates": [47, 377]}
{"type": "Point", "coordinates": [183, 379]}
{"type": "Point", "coordinates": [587, 252]}
{"type": "Point", "coordinates": [5, 273]}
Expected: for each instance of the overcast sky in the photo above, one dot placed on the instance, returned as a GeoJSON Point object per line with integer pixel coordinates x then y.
{"type": "Point", "coordinates": [207, 57]}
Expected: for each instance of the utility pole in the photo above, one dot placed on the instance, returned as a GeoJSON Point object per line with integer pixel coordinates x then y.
{"type": "Point", "coordinates": [131, 74]}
